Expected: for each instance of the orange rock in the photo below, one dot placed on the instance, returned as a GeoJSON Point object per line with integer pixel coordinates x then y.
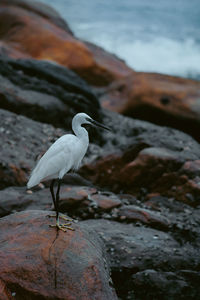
{"type": "Point", "coordinates": [134, 213]}
{"type": "Point", "coordinates": [80, 200]}
{"type": "Point", "coordinates": [27, 31]}
{"type": "Point", "coordinates": [105, 202]}
{"type": "Point", "coordinates": [161, 99]}
{"type": "Point", "coordinates": [159, 170]}
{"type": "Point", "coordinates": [171, 94]}
{"type": "Point", "coordinates": [4, 293]}
{"type": "Point", "coordinates": [41, 262]}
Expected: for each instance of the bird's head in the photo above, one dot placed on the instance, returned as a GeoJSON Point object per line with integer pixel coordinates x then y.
{"type": "Point", "coordinates": [83, 119]}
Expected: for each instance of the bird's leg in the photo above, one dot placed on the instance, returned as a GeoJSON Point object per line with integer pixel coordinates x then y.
{"type": "Point", "coordinates": [52, 193]}
{"type": "Point", "coordinates": [53, 196]}
{"type": "Point", "coordinates": [55, 204]}
{"type": "Point", "coordinates": [54, 201]}
{"type": "Point", "coordinates": [57, 201]}
{"type": "Point", "coordinates": [63, 227]}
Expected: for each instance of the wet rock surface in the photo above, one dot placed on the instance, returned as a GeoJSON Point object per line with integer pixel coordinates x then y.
{"type": "Point", "coordinates": [45, 91]}
{"type": "Point", "coordinates": [138, 176]}
{"type": "Point", "coordinates": [37, 262]}
{"type": "Point", "coordinates": [141, 158]}
{"type": "Point", "coordinates": [148, 263]}
{"type": "Point", "coordinates": [137, 192]}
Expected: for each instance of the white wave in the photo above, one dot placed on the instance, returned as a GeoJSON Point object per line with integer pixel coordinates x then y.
{"type": "Point", "coordinates": [162, 55]}
{"type": "Point", "coordinates": [151, 36]}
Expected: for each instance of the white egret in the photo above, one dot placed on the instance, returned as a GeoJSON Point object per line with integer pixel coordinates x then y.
{"type": "Point", "coordinates": [62, 156]}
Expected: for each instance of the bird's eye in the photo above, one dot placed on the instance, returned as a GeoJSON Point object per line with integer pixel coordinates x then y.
{"type": "Point", "coordinates": [88, 119]}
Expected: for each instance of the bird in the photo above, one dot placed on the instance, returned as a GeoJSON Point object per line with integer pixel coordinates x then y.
{"type": "Point", "coordinates": [64, 155]}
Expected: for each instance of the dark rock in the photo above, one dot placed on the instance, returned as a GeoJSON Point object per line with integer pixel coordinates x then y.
{"type": "Point", "coordinates": [5, 294]}
{"type": "Point", "coordinates": [151, 284]}
{"type": "Point", "coordinates": [77, 201]}
{"type": "Point", "coordinates": [152, 236]}
{"type": "Point", "coordinates": [138, 155]}
{"type": "Point", "coordinates": [37, 262]}
{"type": "Point", "coordinates": [15, 199]}
{"type": "Point", "coordinates": [139, 248]}
{"type": "Point", "coordinates": [134, 250]}
{"type": "Point", "coordinates": [45, 92]}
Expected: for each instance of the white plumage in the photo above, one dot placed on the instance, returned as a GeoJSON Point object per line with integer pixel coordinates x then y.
{"type": "Point", "coordinates": [63, 155]}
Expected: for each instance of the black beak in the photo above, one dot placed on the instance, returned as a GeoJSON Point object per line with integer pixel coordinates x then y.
{"type": "Point", "coordinates": [99, 125]}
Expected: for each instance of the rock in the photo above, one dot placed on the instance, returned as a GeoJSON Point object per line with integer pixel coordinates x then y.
{"type": "Point", "coordinates": [45, 91]}
{"type": "Point", "coordinates": [141, 149]}
{"type": "Point", "coordinates": [15, 199]}
{"type": "Point", "coordinates": [160, 99]}
{"type": "Point", "coordinates": [138, 247]}
{"type": "Point", "coordinates": [147, 285]}
{"type": "Point", "coordinates": [132, 213]}
{"type": "Point", "coordinates": [192, 167]}
{"type": "Point", "coordinates": [5, 294]}
{"type": "Point", "coordinates": [37, 31]}
{"type": "Point", "coordinates": [140, 156]}
{"type": "Point", "coordinates": [105, 201]}
{"type": "Point", "coordinates": [138, 188]}
{"type": "Point", "coordinates": [134, 250]}
{"type": "Point", "coordinates": [86, 202]}
{"type": "Point", "coordinates": [138, 166]}
{"type": "Point", "coordinates": [39, 262]}
{"type": "Point", "coordinates": [39, 8]}
{"type": "Point", "coordinates": [77, 201]}
{"type": "Point", "coordinates": [131, 134]}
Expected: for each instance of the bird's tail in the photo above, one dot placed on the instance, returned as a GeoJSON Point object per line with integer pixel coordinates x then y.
{"type": "Point", "coordinates": [34, 180]}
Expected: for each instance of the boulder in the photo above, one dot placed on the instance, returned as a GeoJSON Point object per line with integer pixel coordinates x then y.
{"type": "Point", "coordinates": [127, 154]}
{"type": "Point", "coordinates": [150, 262]}
{"type": "Point", "coordinates": [140, 156]}
{"type": "Point", "coordinates": [4, 292]}
{"type": "Point", "coordinates": [77, 201]}
{"type": "Point", "coordinates": [180, 285]}
{"type": "Point", "coordinates": [15, 199]}
{"type": "Point", "coordinates": [133, 213]}
{"type": "Point", "coordinates": [87, 202]}
{"type": "Point", "coordinates": [39, 262]}
{"type": "Point", "coordinates": [45, 91]}
{"type": "Point", "coordinates": [139, 186]}
{"type": "Point", "coordinates": [36, 30]}
{"type": "Point", "coordinates": [160, 99]}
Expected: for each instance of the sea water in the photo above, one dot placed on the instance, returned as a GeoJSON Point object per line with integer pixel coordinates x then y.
{"type": "Point", "coordinates": [150, 35]}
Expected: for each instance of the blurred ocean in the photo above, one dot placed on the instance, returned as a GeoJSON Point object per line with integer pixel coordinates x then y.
{"type": "Point", "coordinates": [150, 35]}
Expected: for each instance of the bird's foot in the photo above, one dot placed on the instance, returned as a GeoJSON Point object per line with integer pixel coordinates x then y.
{"type": "Point", "coordinates": [67, 226]}
{"type": "Point", "coordinates": [61, 217]}
{"type": "Point", "coordinates": [63, 227]}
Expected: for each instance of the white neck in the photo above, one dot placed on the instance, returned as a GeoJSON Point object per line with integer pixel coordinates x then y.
{"type": "Point", "coordinates": [79, 131]}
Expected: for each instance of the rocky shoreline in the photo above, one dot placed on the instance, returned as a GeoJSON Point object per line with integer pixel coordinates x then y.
{"type": "Point", "coordinates": [136, 197]}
